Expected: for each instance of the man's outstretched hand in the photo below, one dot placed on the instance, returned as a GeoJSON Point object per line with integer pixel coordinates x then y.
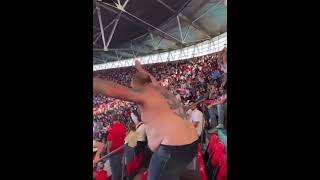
{"type": "Point", "coordinates": [138, 65]}
{"type": "Point", "coordinates": [140, 69]}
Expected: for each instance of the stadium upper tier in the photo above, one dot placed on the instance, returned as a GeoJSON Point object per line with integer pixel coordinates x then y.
{"type": "Point", "coordinates": [125, 29]}
{"type": "Point", "coordinates": [207, 47]}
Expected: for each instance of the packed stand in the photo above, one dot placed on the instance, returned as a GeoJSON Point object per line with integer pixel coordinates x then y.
{"type": "Point", "coordinates": [190, 80]}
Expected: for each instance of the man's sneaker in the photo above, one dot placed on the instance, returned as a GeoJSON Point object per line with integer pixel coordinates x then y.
{"type": "Point", "coordinates": [212, 130]}
{"type": "Point", "coordinates": [220, 126]}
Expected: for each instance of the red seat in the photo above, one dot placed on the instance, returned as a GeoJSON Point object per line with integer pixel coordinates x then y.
{"type": "Point", "coordinates": [202, 167]}
{"type": "Point", "coordinates": [145, 175]}
{"type": "Point", "coordinates": [222, 174]}
{"type": "Point", "coordinates": [218, 152]}
{"type": "Point", "coordinates": [213, 143]}
{"type": "Point", "coordinates": [102, 175]}
{"type": "Point", "coordinates": [135, 164]}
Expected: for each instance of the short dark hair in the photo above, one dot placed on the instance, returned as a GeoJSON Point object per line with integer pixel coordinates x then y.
{"type": "Point", "coordinates": [116, 117]}
{"type": "Point", "coordinates": [132, 127]}
{"type": "Point", "coordinates": [141, 78]}
{"type": "Point", "coordinates": [136, 112]}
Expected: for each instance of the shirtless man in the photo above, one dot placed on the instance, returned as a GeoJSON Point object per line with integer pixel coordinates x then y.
{"type": "Point", "coordinates": [171, 137]}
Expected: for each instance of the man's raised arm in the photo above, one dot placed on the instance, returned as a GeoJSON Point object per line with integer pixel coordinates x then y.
{"type": "Point", "coordinates": [140, 69]}
{"type": "Point", "coordinates": [111, 89]}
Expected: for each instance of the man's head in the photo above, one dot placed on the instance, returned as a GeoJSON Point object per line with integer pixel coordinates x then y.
{"type": "Point", "coordinates": [192, 105]}
{"type": "Point", "coordinates": [116, 119]}
{"type": "Point", "coordinates": [221, 90]}
{"type": "Point", "coordinates": [132, 127]}
{"type": "Point", "coordinates": [140, 79]}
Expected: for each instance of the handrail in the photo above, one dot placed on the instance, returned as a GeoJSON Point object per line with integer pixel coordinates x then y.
{"type": "Point", "coordinates": [108, 155]}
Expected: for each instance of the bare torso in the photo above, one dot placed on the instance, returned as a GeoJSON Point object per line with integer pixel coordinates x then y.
{"type": "Point", "coordinates": [165, 120]}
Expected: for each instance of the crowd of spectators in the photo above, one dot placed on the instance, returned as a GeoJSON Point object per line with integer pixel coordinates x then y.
{"type": "Point", "coordinates": [190, 80]}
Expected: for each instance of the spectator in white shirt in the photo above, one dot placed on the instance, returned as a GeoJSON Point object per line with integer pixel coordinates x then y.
{"type": "Point", "coordinates": [134, 118]}
{"type": "Point", "coordinates": [197, 119]}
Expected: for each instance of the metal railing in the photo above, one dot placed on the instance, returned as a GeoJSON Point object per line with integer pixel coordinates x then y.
{"type": "Point", "coordinates": [109, 154]}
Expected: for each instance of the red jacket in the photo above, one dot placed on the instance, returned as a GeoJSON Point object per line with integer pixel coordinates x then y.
{"type": "Point", "coordinates": [222, 174]}
{"type": "Point", "coordinates": [218, 152]}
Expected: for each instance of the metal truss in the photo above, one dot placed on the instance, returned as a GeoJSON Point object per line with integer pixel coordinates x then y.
{"type": "Point", "coordinates": [101, 26]}
{"type": "Point", "coordinates": [119, 9]}
{"type": "Point", "coordinates": [203, 48]}
{"type": "Point", "coordinates": [187, 20]}
{"type": "Point", "coordinates": [104, 30]}
{"type": "Point", "coordinates": [204, 13]}
{"type": "Point", "coordinates": [138, 21]}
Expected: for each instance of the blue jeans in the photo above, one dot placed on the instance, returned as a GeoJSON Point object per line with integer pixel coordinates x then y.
{"type": "Point", "coordinates": [116, 166]}
{"type": "Point", "coordinates": [225, 114]}
{"type": "Point", "coordinates": [213, 113]}
{"type": "Point", "coordinates": [168, 162]}
{"type": "Point", "coordinates": [129, 153]}
{"type": "Point", "coordinates": [220, 113]}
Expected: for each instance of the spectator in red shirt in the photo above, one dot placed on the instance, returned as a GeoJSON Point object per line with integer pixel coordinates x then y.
{"type": "Point", "coordinates": [116, 136]}
{"type": "Point", "coordinates": [101, 174]}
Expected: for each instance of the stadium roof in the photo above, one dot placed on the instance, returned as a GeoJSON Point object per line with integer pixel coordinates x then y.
{"type": "Point", "coordinates": [134, 28]}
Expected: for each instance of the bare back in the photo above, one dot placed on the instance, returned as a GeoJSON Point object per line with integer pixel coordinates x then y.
{"type": "Point", "coordinates": [165, 119]}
